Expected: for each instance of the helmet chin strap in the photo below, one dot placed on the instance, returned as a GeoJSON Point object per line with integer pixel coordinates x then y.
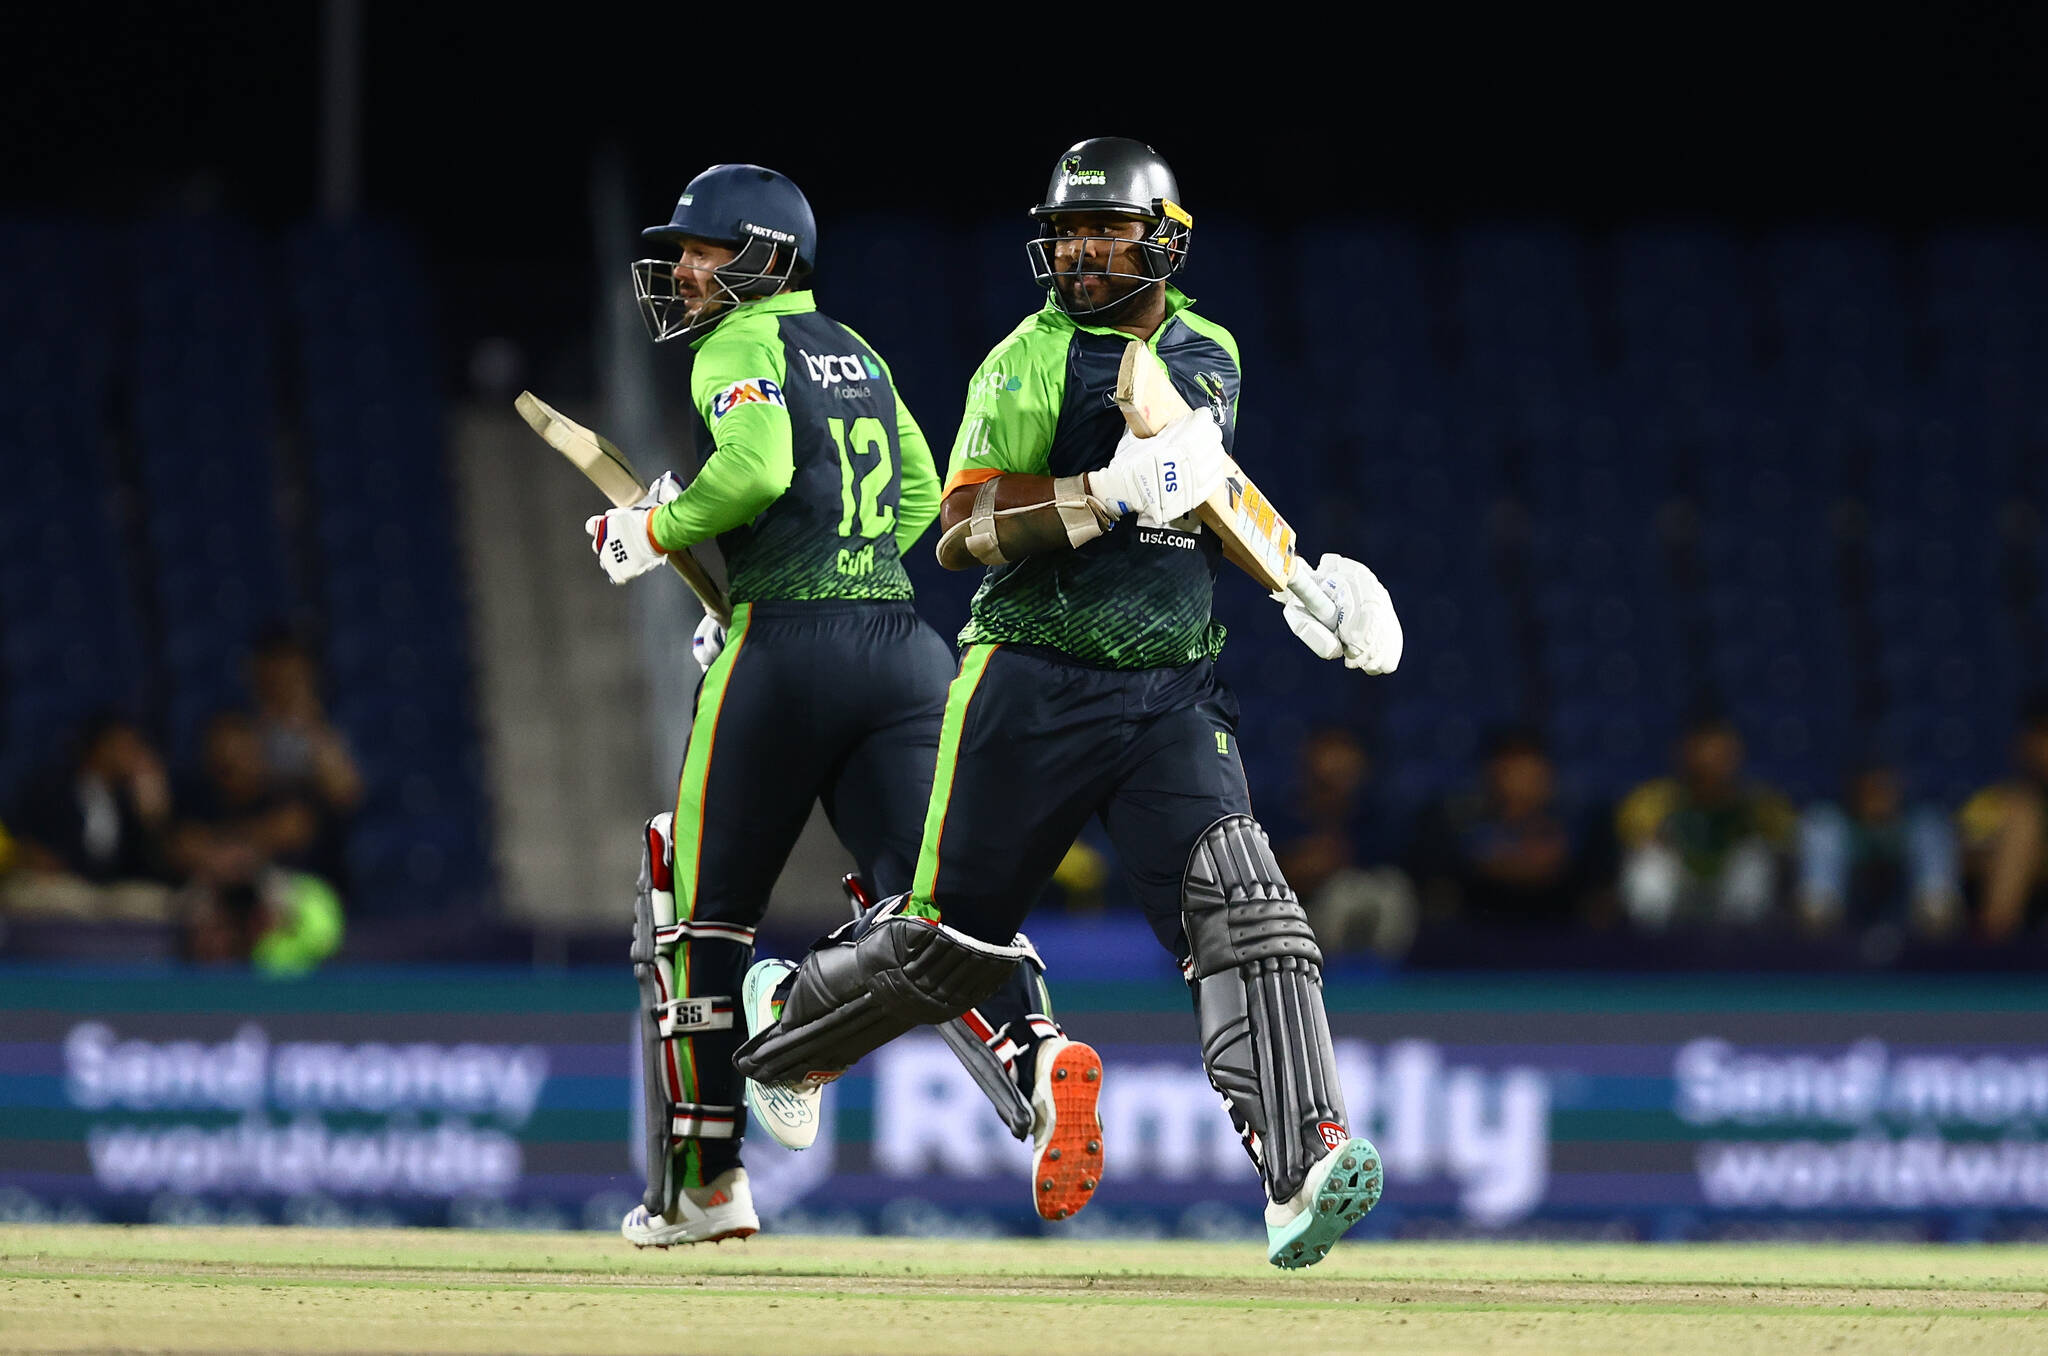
{"type": "Point", "coordinates": [753, 273]}
{"type": "Point", "coordinates": [1109, 312]}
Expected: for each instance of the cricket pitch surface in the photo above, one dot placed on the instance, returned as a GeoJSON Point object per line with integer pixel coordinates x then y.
{"type": "Point", "coordinates": [99, 1288]}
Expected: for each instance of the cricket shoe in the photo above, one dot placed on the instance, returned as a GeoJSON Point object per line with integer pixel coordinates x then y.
{"type": "Point", "coordinates": [788, 1111]}
{"type": "Point", "coordinates": [1066, 1130]}
{"type": "Point", "coordinates": [1339, 1189]}
{"type": "Point", "coordinates": [706, 1214]}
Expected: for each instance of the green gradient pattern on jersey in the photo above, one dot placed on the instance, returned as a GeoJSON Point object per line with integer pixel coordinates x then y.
{"type": "Point", "coordinates": [1040, 405]}
{"type": "Point", "coordinates": [778, 373]}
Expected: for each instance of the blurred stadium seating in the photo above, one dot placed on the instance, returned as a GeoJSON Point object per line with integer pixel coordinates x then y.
{"type": "Point", "coordinates": [1611, 479]}
{"type": "Point", "coordinates": [146, 537]}
{"type": "Point", "coordinates": [1607, 479]}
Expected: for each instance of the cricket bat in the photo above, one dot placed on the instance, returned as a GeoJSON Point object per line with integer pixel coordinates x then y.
{"type": "Point", "coordinates": [1255, 537]}
{"type": "Point", "coordinates": [607, 468]}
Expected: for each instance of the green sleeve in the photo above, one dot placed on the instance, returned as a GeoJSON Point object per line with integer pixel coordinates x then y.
{"type": "Point", "coordinates": [1013, 406]}
{"type": "Point", "coordinates": [918, 498]}
{"type": "Point", "coordinates": [736, 383]}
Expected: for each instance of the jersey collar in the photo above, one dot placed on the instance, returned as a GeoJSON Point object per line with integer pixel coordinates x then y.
{"type": "Point", "coordinates": [1176, 302]}
{"type": "Point", "coordinates": [782, 303]}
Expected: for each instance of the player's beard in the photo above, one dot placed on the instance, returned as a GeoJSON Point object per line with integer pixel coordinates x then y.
{"type": "Point", "coordinates": [1078, 304]}
{"type": "Point", "coordinates": [699, 311]}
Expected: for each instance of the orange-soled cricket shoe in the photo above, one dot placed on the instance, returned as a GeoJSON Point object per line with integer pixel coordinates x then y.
{"type": "Point", "coordinates": [1066, 1132]}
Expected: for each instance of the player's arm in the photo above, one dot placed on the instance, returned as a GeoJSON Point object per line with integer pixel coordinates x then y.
{"type": "Point", "coordinates": [917, 501]}
{"type": "Point", "coordinates": [1007, 516]}
{"type": "Point", "coordinates": [1011, 515]}
{"type": "Point", "coordinates": [1002, 505]}
{"type": "Point", "coordinates": [737, 385]}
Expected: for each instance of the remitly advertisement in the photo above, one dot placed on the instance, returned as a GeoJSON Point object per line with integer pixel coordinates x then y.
{"type": "Point", "coordinates": [1617, 1107]}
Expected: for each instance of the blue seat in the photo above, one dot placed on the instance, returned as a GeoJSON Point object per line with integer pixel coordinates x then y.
{"type": "Point", "coordinates": [1521, 300]}
{"type": "Point", "coordinates": [1838, 308]}
{"type": "Point", "coordinates": [1604, 747]}
{"type": "Point", "coordinates": [1987, 302]}
{"type": "Point", "coordinates": [865, 282]}
{"type": "Point", "coordinates": [69, 639]}
{"type": "Point", "coordinates": [1362, 306]}
{"type": "Point", "coordinates": [396, 658]}
{"type": "Point", "coordinates": [1683, 296]}
{"type": "Point", "coordinates": [1000, 291]}
{"type": "Point", "coordinates": [1238, 298]}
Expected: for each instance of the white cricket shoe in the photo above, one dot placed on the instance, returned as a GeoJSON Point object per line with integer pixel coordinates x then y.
{"type": "Point", "coordinates": [1339, 1189]}
{"type": "Point", "coordinates": [788, 1111]}
{"type": "Point", "coordinates": [1066, 1129]}
{"type": "Point", "coordinates": [706, 1214]}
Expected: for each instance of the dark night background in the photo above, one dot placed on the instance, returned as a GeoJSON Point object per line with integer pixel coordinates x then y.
{"type": "Point", "coordinates": [479, 121]}
{"type": "Point", "coordinates": [1810, 171]}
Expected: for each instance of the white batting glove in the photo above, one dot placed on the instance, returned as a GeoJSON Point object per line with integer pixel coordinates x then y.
{"type": "Point", "coordinates": [622, 544]}
{"type": "Point", "coordinates": [1367, 634]}
{"type": "Point", "coordinates": [1163, 477]}
{"type": "Point", "coordinates": [664, 488]}
{"type": "Point", "coordinates": [708, 643]}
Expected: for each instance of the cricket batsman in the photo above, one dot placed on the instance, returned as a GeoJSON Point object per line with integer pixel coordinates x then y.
{"type": "Point", "coordinates": [1087, 687]}
{"type": "Point", "coordinates": [827, 688]}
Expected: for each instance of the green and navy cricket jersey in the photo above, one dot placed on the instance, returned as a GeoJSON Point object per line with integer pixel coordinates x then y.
{"type": "Point", "coordinates": [1042, 404]}
{"type": "Point", "coordinates": [819, 479]}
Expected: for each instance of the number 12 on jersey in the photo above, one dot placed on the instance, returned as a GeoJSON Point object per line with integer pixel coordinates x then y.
{"type": "Point", "coordinates": [863, 514]}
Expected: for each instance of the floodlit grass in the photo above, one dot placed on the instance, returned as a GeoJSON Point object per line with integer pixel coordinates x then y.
{"type": "Point", "coordinates": [102, 1288]}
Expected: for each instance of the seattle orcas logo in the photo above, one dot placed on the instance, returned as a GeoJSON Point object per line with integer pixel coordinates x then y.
{"type": "Point", "coordinates": [1073, 176]}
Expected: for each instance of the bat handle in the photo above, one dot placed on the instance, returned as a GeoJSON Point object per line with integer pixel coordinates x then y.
{"type": "Point", "coordinates": [1301, 582]}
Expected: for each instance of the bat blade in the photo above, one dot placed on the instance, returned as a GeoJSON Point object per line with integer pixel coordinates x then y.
{"type": "Point", "coordinates": [606, 467]}
{"type": "Point", "coordinates": [1255, 537]}
{"type": "Point", "coordinates": [1145, 393]}
{"type": "Point", "coordinates": [593, 454]}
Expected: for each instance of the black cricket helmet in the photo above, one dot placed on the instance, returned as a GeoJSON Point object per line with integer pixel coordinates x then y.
{"type": "Point", "coordinates": [755, 211]}
{"type": "Point", "coordinates": [1128, 178]}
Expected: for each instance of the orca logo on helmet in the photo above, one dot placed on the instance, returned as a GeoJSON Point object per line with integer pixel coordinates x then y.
{"type": "Point", "coordinates": [1075, 177]}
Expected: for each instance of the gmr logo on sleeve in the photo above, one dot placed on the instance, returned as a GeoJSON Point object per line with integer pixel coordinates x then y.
{"type": "Point", "coordinates": [751, 391]}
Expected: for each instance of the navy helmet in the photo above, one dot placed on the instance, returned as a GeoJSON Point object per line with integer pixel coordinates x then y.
{"type": "Point", "coordinates": [758, 213]}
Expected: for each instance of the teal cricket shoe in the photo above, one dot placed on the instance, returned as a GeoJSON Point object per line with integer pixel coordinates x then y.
{"type": "Point", "coordinates": [788, 1111]}
{"type": "Point", "coordinates": [1339, 1189]}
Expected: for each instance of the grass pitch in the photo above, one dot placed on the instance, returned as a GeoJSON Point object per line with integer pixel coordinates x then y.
{"type": "Point", "coordinates": [103, 1288]}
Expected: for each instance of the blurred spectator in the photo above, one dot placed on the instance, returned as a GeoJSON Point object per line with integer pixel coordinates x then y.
{"type": "Point", "coordinates": [1876, 866]}
{"type": "Point", "coordinates": [302, 751]}
{"type": "Point", "coordinates": [2002, 829]}
{"type": "Point", "coordinates": [1335, 842]}
{"type": "Point", "coordinates": [1081, 879]}
{"type": "Point", "coordinates": [1504, 852]}
{"type": "Point", "coordinates": [282, 923]}
{"type": "Point", "coordinates": [1705, 845]}
{"type": "Point", "coordinates": [241, 833]}
{"type": "Point", "coordinates": [102, 817]}
{"type": "Point", "coordinates": [234, 819]}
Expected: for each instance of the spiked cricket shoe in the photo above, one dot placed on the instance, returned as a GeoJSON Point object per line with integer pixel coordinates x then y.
{"type": "Point", "coordinates": [788, 1111]}
{"type": "Point", "coordinates": [706, 1214]}
{"type": "Point", "coordinates": [1066, 1131]}
{"type": "Point", "coordinates": [1339, 1189]}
